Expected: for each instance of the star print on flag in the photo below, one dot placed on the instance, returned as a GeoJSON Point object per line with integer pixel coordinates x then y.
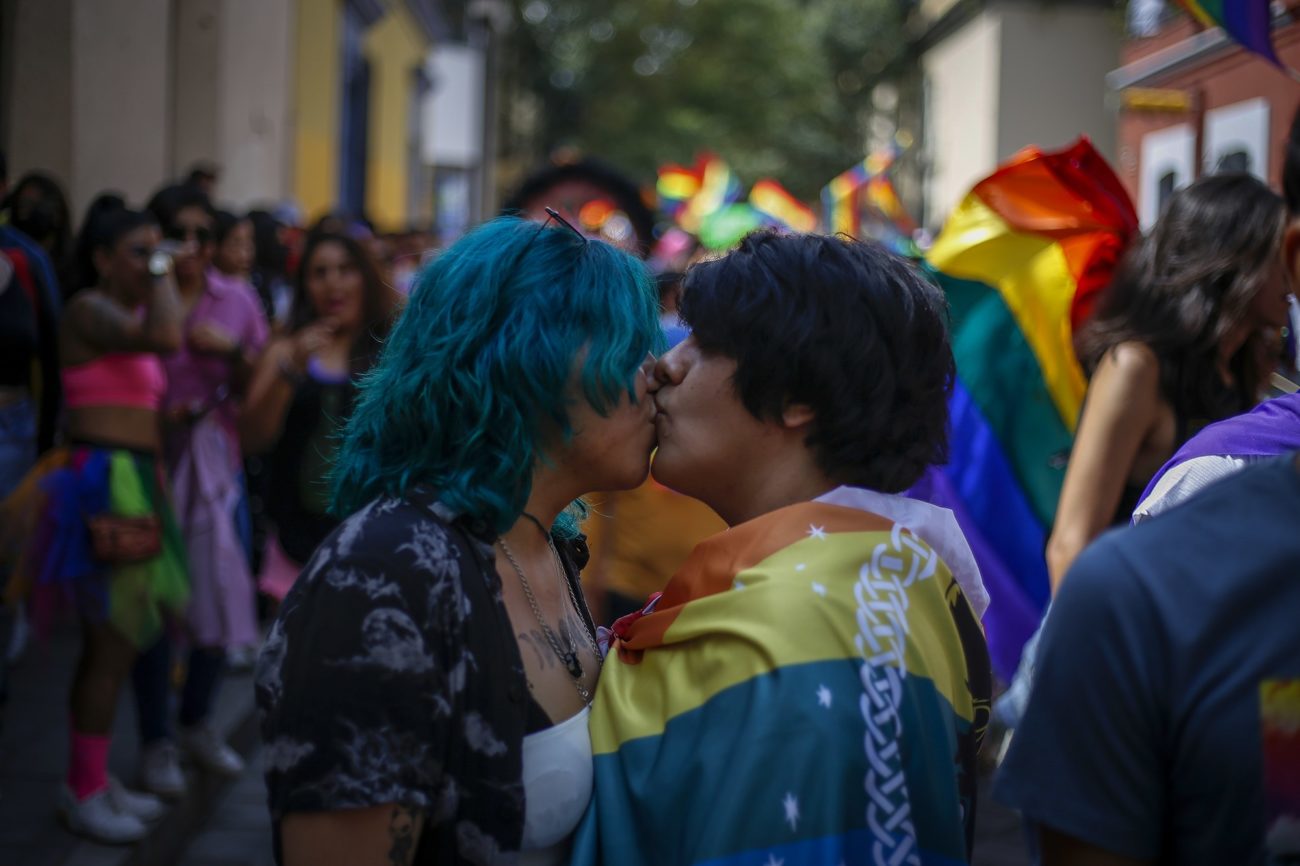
{"type": "Point", "coordinates": [824, 696]}
{"type": "Point", "coordinates": [819, 588]}
{"type": "Point", "coordinates": [791, 805]}
{"type": "Point", "coordinates": [818, 532]}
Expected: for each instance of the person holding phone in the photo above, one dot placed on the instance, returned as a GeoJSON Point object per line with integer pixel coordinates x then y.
{"type": "Point", "coordinates": [91, 524]}
{"type": "Point", "coordinates": [224, 330]}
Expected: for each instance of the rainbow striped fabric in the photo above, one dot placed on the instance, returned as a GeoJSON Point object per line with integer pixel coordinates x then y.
{"type": "Point", "coordinates": [1248, 22]}
{"type": "Point", "coordinates": [1021, 259]}
{"type": "Point", "coordinates": [810, 688]}
{"type": "Point", "coordinates": [780, 208]}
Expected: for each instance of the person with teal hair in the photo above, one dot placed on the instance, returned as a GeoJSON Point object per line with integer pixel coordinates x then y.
{"type": "Point", "coordinates": [425, 690]}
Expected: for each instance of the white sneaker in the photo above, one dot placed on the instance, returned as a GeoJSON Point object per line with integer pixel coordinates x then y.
{"type": "Point", "coordinates": [208, 750]}
{"type": "Point", "coordinates": [160, 770]}
{"type": "Point", "coordinates": [146, 807]}
{"type": "Point", "coordinates": [241, 659]}
{"type": "Point", "coordinates": [96, 819]}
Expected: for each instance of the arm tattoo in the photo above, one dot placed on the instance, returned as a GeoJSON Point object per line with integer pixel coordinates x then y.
{"type": "Point", "coordinates": [401, 830]}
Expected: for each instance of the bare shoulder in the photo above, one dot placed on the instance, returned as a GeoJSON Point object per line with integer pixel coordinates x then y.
{"type": "Point", "coordinates": [1131, 369]}
{"type": "Point", "coordinates": [1133, 360]}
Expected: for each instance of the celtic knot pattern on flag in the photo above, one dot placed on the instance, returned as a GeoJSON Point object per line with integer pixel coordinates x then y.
{"type": "Point", "coordinates": [882, 642]}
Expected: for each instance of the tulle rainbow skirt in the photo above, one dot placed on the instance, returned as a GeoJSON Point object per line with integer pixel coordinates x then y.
{"type": "Point", "coordinates": [46, 541]}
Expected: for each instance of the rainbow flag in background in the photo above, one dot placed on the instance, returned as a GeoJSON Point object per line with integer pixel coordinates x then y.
{"type": "Point", "coordinates": [810, 688]}
{"type": "Point", "coordinates": [676, 186]}
{"type": "Point", "coordinates": [840, 199]}
{"type": "Point", "coordinates": [1248, 22]}
{"type": "Point", "coordinates": [1021, 259]}
{"type": "Point", "coordinates": [777, 204]}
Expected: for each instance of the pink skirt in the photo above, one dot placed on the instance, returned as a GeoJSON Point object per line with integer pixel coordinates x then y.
{"type": "Point", "coordinates": [278, 570]}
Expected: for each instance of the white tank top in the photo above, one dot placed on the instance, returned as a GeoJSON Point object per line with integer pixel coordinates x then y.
{"type": "Point", "coordinates": [557, 788]}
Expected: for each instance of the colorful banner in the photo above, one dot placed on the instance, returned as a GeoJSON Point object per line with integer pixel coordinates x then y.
{"type": "Point", "coordinates": [1021, 259]}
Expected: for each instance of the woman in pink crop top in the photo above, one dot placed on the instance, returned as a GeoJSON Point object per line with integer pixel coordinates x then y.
{"type": "Point", "coordinates": [111, 335]}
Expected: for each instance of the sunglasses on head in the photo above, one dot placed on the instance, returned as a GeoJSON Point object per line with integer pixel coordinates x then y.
{"type": "Point", "coordinates": [199, 234]}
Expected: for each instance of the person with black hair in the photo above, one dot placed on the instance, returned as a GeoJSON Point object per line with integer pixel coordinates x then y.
{"type": "Point", "coordinates": [1161, 721]}
{"type": "Point", "coordinates": [821, 660]}
{"type": "Point", "coordinates": [270, 273]}
{"type": "Point", "coordinates": [1185, 335]}
{"type": "Point", "coordinates": [92, 523]}
{"type": "Point", "coordinates": [234, 252]}
{"type": "Point", "coordinates": [591, 195]}
{"type": "Point", "coordinates": [38, 208]}
{"type": "Point", "coordinates": [223, 330]}
{"type": "Point", "coordinates": [303, 391]}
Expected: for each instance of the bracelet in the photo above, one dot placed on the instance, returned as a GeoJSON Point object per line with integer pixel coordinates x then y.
{"type": "Point", "coordinates": [290, 375]}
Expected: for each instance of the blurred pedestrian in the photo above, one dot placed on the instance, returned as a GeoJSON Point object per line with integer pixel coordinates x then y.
{"type": "Point", "coordinates": [38, 208]}
{"type": "Point", "coordinates": [1161, 723]}
{"type": "Point", "coordinates": [270, 273]}
{"type": "Point", "coordinates": [302, 393]}
{"type": "Point", "coordinates": [1181, 338]}
{"type": "Point", "coordinates": [93, 517]}
{"type": "Point", "coordinates": [424, 691]}
{"type": "Point", "coordinates": [234, 252]}
{"type": "Point", "coordinates": [30, 392]}
{"type": "Point", "coordinates": [223, 332]}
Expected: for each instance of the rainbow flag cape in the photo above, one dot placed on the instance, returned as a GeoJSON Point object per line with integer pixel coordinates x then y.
{"type": "Point", "coordinates": [810, 688]}
{"type": "Point", "coordinates": [1021, 259]}
{"type": "Point", "coordinates": [1248, 22]}
{"type": "Point", "coordinates": [776, 203]}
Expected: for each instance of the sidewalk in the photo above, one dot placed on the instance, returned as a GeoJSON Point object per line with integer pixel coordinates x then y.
{"type": "Point", "coordinates": [33, 760]}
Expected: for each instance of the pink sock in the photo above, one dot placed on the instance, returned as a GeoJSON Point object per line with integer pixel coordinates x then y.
{"type": "Point", "coordinates": [88, 767]}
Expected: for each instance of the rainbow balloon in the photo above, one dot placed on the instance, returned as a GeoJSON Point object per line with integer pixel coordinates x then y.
{"type": "Point", "coordinates": [1021, 260]}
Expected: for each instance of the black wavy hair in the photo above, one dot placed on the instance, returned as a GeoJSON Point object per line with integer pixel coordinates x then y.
{"type": "Point", "coordinates": [1187, 286]}
{"type": "Point", "coordinates": [47, 218]}
{"type": "Point", "coordinates": [845, 327]}
{"type": "Point", "coordinates": [107, 220]}
{"type": "Point", "coordinates": [616, 184]}
{"type": "Point", "coordinates": [174, 198]}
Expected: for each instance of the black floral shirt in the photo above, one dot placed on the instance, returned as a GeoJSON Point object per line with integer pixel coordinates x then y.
{"type": "Point", "coordinates": [392, 675]}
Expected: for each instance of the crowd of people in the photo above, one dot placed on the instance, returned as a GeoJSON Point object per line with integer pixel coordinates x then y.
{"type": "Point", "coordinates": [174, 376]}
{"type": "Point", "coordinates": [571, 559]}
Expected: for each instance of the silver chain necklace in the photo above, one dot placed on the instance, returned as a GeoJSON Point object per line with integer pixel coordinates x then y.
{"type": "Point", "coordinates": [568, 658]}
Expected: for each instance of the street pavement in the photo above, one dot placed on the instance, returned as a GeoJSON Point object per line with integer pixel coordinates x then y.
{"type": "Point", "coordinates": [221, 822]}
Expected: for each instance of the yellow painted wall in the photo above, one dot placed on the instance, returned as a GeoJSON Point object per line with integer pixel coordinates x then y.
{"type": "Point", "coordinates": [317, 96]}
{"type": "Point", "coordinates": [395, 47]}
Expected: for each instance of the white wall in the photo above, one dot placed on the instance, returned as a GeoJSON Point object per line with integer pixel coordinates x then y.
{"type": "Point", "coordinates": [1053, 68]}
{"type": "Point", "coordinates": [1170, 151]}
{"type": "Point", "coordinates": [120, 97]}
{"type": "Point", "coordinates": [962, 74]}
{"type": "Point", "coordinates": [39, 83]}
{"type": "Point", "coordinates": [255, 110]}
{"type": "Point", "coordinates": [1240, 128]}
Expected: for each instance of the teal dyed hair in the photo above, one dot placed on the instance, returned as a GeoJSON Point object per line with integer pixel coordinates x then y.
{"type": "Point", "coordinates": [477, 369]}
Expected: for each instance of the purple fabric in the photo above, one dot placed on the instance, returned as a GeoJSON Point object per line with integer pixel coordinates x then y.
{"type": "Point", "coordinates": [1012, 617]}
{"type": "Point", "coordinates": [1270, 429]}
{"type": "Point", "coordinates": [193, 379]}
